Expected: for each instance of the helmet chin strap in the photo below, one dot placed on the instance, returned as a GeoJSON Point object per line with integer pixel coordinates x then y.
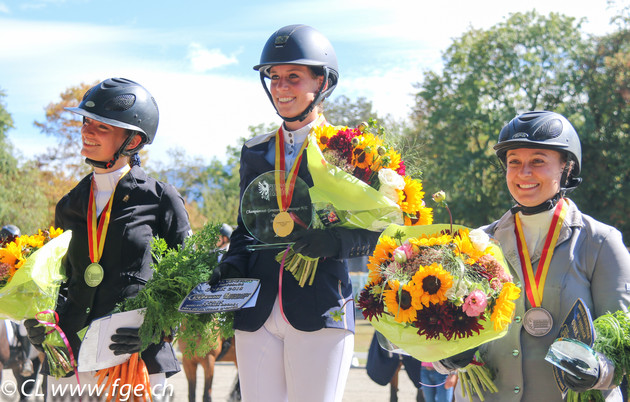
{"type": "Point", "coordinates": [111, 162]}
{"type": "Point", "coordinates": [570, 184]}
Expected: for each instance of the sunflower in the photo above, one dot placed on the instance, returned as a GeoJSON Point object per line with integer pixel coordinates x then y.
{"type": "Point", "coordinates": [323, 134]}
{"type": "Point", "coordinates": [504, 307]}
{"type": "Point", "coordinates": [11, 254]}
{"type": "Point", "coordinates": [430, 284]}
{"type": "Point", "coordinates": [434, 320]}
{"type": "Point", "coordinates": [383, 252]}
{"type": "Point", "coordinates": [370, 304]}
{"type": "Point", "coordinates": [52, 232]}
{"type": "Point", "coordinates": [412, 196]}
{"type": "Point", "coordinates": [422, 217]}
{"type": "Point", "coordinates": [398, 302]}
{"type": "Point", "coordinates": [365, 151]}
{"type": "Point", "coordinates": [431, 240]}
{"type": "Point", "coordinates": [466, 247]}
{"type": "Point", "coordinates": [388, 159]}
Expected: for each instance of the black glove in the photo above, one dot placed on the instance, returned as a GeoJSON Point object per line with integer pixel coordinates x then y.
{"type": "Point", "coordinates": [317, 243]}
{"type": "Point", "coordinates": [224, 271]}
{"type": "Point", "coordinates": [126, 340]}
{"type": "Point", "coordinates": [584, 380]}
{"type": "Point", "coordinates": [36, 333]}
{"type": "Point", "coordinates": [460, 360]}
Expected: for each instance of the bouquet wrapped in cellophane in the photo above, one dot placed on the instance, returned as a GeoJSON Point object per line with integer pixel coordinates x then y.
{"type": "Point", "coordinates": [434, 293]}
{"type": "Point", "coordinates": [359, 182]}
{"type": "Point", "coordinates": [31, 273]}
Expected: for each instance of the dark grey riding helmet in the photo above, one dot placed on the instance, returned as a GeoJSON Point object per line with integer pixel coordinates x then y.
{"type": "Point", "coordinates": [123, 103]}
{"type": "Point", "coordinates": [548, 130]}
{"type": "Point", "coordinates": [305, 46]}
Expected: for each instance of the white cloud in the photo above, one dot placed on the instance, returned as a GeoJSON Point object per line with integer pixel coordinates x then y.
{"type": "Point", "coordinates": [203, 60]}
{"type": "Point", "coordinates": [4, 9]}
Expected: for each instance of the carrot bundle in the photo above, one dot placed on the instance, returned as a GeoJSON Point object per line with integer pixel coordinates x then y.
{"type": "Point", "coordinates": [133, 373]}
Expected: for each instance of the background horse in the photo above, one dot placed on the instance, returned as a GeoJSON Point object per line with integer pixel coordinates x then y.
{"type": "Point", "coordinates": [224, 351]}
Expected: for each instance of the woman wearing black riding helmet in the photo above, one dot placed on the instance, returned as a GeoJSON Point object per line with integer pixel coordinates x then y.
{"type": "Point", "coordinates": [127, 208]}
{"type": "Point", "coordinates": [568, 254]}
{"type": "Point", "coordinates": [288, 347]}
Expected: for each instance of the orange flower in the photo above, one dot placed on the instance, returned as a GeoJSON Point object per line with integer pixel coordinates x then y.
{"type": "Point", "coordinates": [430, 284]}
{"type": "Point", "coordinates": [383, 252]}
{"type": "Point", "coordinates": [398, 302]}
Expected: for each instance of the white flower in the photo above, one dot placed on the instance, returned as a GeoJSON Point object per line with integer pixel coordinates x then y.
{"type": "Point", "coordinates": [390, 182]}
{"type": "Point", "coordinates": [479, 239]}
{"type": "Point", "coordinates": [400, 256]}
{"type": "Point", "coordinates": [455, 292]}
{"type": "Point", "coordinates": [390, 178]}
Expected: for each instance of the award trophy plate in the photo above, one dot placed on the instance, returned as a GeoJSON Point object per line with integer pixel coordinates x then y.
{"type": "Point", "coordinates": [573, 346]}
{"type": "Point", "coordinates": [265, 220]}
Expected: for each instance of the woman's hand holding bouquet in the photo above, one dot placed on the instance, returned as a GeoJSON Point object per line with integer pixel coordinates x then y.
{"type": "Point", "coordinates": [31, 273]}
{"type": "Point", "coordinates": [359, 183]}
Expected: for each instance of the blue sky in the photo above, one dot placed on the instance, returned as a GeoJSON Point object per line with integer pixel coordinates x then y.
{"type": "Point", "coordinates": [196, 57]}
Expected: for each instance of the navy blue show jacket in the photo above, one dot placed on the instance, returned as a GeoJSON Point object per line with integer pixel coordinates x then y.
{"type": "Point", "coordinates": [142, 209]}
{"type": "Point", "coordinates": [304, 307]}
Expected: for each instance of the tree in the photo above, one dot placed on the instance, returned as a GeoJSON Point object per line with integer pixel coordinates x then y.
{"type": "Point", "coordinates": [22, 202]}
{"type": "Point", "coordinates": [528, 62]}
{"type": "Point", "coordinates": [65, 126]}
{"type": "Point", "coordinates": [343, 112]}
{"type": "Point", "coordinates": [605, 133]}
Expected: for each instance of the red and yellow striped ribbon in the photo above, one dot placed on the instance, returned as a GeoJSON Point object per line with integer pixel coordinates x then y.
{"type": "Point", "coordinates": [535, 284]}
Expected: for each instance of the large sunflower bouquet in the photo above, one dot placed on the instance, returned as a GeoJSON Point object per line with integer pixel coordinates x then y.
{"type": "Point", "coordinates": [359, 181]}
{"type": "Point", "coordinates": [31, 273]}
{"type": "Point", "coordinates": [438, 290]}
{"type": "Point", "coordinates": [362, 178]}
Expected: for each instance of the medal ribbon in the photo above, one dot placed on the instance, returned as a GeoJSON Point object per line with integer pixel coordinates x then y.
{"type": "Point", "coordinates": [535, 284]}
{"type": "Point", "coordinates": [285, 186]}
{"type": "Point", "coordinates": [97, 231]}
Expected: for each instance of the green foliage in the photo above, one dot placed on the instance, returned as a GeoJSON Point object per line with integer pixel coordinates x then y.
{"type": "Point", "coordinates": [527, 62]}
{"type": "Point", "coordinates": [604, 128]}
{"type": "Point", "coordinates": [22, 202]}
{"type": "Point", "coordinates": [343, 112]}
{"type": "Point", "coordinates": [177, 272]}
{"type": "Point", "coordinates": [66, 128]}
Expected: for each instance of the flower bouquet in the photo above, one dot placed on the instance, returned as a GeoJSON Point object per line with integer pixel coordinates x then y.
{"type": "Point", "coordinates": [31, 273]}
{"type": "Point", "coordinates": [434, 291]}
{"type": "Point", "coordinates": [359, 182]}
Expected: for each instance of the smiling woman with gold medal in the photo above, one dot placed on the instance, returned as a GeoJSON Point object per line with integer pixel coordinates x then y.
{"type": "Point", "coordinates": [114, 214]}
{"type": "Point", "coordinates": [559, 255]}
{"type": "Point", "coordinates": [289, 348]}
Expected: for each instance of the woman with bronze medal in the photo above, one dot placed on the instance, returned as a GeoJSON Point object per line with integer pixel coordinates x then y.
{"type": "Point", "coordinates": [288, 347]}
{"type": "Point", "coordinates": [559, 255]}
{"type": "Point", "coordinates": [114, 213]}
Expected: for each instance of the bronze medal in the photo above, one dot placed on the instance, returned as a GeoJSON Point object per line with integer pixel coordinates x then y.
{"type": "Point", "coordinates": [537, 321]}
{"type": "Point", "coordinates": [283, 224]}
{"type": "Point", "coordinates": [93, 274]}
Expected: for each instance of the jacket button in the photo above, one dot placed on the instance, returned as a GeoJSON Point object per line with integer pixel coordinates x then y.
{"type": "Point", "coordinates": [517, 389]}
{"type": "Point", "coordinates": [515, 352]}
{"type": "Point", "coordinates": [518, 318]}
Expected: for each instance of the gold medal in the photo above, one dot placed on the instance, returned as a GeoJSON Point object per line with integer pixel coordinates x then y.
{"type": "Point", "coordinates": [93, 274]}
{"type": "Point", "coordinates": [283, 224]}
{"type": "Point", "coordinates": [537, 321]}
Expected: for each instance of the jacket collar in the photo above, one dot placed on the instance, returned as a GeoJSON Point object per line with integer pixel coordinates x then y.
{"type": "Point", "coordinates": [504, 233]}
